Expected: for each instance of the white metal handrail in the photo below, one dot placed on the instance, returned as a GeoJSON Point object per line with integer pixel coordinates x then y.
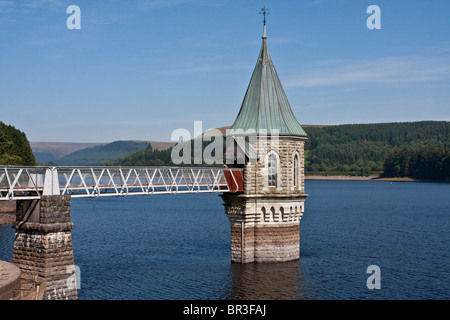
{"type": "Point", "coordinates": [32, 182]}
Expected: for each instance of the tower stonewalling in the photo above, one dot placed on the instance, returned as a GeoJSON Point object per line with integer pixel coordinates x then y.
{"type": "Point", "coordinates": [268, 142]}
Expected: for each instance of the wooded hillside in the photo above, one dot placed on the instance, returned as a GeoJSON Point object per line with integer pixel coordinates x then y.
{"type": "Point", "coordinates": [359, 150]}
{"type": "Point", "coordinates": [14, 147]}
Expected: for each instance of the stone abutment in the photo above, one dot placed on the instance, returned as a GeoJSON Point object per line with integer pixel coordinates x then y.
{"type": "Point", "coordinates": [43, 244]}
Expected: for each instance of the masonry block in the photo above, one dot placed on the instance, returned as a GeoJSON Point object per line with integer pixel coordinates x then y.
{"type": "Point", "coordinates": [43, 244]}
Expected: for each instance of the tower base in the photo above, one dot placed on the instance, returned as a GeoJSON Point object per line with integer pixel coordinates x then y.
{"type": "Point", "coordinates": [265, 243]}
{"type": "Point", "coordinates": [264, 229]}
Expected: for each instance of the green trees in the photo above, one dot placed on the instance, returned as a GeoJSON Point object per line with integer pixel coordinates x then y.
{"type": "Point", "coordinates": [430, 162]}
{"type": "Point", "coordinates": [150, 157]}
{"type": "Point", "coordinates": [14, 147]}
{"type": "Point", "coordinates": [361, 149]}
{"type": "Point", "coordinates": [413, 149]}
{"type": "Point", "coordinates": [146, 157]}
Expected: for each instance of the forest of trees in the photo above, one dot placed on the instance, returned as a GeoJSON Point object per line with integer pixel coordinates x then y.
{"type": "Point", "coordinates": [14, 147]}
{"type": "Point", "coordinates": [145, 157]}
{"type": "Point", "coordinates": [408, 149]}
{"type": "Point", "coordinates": [362, 149]}
{"type": "Point", "coordinates": [423, 163]}
{"type": "Point", "coordinates": [150, 157]}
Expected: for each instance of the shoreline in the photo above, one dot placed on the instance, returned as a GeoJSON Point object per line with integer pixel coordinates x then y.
{"type": "Point", "coordinates": [318, 177]}
{"type": "Point", "coordinates": [369, 178]}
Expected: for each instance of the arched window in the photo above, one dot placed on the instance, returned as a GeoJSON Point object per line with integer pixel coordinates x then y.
{"type": "Point", "coordinates": [295, 171]}
{"type": "Point", "coordinates": [272, 172]}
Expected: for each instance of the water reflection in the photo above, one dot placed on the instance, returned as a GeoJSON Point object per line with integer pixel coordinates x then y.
{"type": "Point", "coordinates": [267, 281]}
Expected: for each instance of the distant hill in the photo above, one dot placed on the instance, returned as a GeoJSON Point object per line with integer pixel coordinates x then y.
{"type": "Point", "coordinates": [350, 149]}
{"type": "Point", "coordinates": [152, 156]}
{"type": "Point", "coordinates": [146, 157]}
{"type": "Point", "coordinates": [212, 132]}
{"type": "Point", "coordinates": [101, 154]}
{"type": "Point", "coordinates": [84, 154]}
{"type": "Point", "coordinates": [158, 145]}
{"type": "Point", "coordinates": [51, 151]}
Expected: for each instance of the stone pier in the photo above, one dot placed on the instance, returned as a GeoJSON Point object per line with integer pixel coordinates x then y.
{"type": "Point", "coordinates": [43, 244]}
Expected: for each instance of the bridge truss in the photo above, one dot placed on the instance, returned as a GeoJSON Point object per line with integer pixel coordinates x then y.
{"type": "Point", "coordinates": [21, 183]}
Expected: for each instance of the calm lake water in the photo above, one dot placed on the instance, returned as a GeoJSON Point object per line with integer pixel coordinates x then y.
{"type": "Point", "coordinates": [168, 247]}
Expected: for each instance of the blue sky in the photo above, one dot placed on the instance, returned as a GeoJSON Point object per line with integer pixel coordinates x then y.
{"type": "Point", "coordinates": [138, 70]}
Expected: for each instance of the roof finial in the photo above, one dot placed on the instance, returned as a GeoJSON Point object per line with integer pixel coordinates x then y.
{"type": "Point", "coordinates": [264, 11]}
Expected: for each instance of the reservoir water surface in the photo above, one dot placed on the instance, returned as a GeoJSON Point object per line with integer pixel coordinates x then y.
{"type": "Point", "coordinates": [176, 247]}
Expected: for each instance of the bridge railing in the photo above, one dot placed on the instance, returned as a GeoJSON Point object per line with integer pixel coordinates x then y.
{"type": "Point", "coordinates": [33, 182]}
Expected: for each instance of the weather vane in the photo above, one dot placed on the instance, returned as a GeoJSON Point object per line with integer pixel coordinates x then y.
{"type": "Point", "coordinates": [264, 11]}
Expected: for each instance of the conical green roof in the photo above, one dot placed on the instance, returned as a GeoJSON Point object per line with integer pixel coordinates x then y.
{"type": "Point", "coordinates": [265, 107]}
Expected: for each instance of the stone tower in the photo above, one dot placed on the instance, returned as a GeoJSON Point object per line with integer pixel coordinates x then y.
{"type": "Point", "coordinates": [268, 142]}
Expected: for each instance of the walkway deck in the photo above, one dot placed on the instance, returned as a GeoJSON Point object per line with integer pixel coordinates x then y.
{"type": "Point", "coordinates": [32, 182]}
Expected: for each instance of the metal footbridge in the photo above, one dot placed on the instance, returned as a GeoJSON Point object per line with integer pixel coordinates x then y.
{"type": "Point", "coordinates": [22, 183]}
